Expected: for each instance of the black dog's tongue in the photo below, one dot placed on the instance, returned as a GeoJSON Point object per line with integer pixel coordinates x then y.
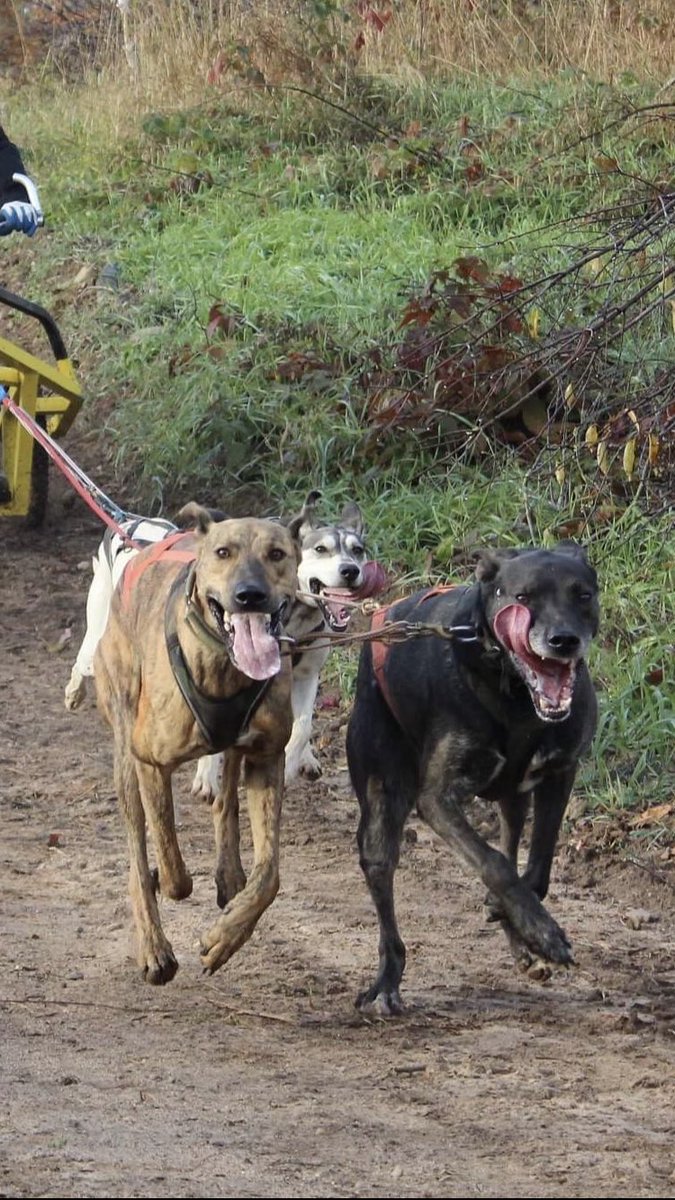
{"type": "Point", "coordinates": [512, 627]}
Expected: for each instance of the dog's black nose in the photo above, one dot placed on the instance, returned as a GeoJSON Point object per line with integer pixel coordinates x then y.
{"type": "Point", "coordinates": [250, 595]}
{"type": "Point", "coordinates": [348, 573]}
{"type": "Point", "coordinates": [564, 642]}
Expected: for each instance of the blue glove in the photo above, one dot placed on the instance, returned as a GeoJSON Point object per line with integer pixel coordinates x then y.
{"type": "Point", "coordinates": [22, 216]}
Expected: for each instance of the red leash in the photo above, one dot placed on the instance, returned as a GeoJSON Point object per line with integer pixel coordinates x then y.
{"type": "Point", "coordinates": [98, 502]}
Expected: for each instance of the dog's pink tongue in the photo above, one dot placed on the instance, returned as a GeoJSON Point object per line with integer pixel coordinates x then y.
{"type": "Point", "coordinates": [254, 650]}
{"type": "Point", "coordinates": [512, 627]}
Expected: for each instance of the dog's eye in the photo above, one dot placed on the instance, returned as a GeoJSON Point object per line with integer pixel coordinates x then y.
{"type": "Point", "coordinates": [585, 597]}
{"type": "Point", "coordinates": [358, 551]}
{"type": "Point", "coordinates": [522, 597]}
{"type": "Point", "coordinates": [222, 552]}
{"type": "Point", "coordinates": [321, 549]}
{"type": "Point", "coordinates": [276, 554]}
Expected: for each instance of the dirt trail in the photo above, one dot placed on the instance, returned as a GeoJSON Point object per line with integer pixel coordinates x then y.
{"type": "Point", "coordinates": [263, 1080]}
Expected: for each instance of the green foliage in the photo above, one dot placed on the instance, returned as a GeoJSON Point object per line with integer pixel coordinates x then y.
{"type": "Point", "coordinates": [312, 229]}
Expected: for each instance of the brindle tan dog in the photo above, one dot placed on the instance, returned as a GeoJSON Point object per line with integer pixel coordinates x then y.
{"type": "Point", "coordinates": [189, 664]}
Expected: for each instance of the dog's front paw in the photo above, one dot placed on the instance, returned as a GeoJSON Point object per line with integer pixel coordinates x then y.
{"type": "Point", "coordinates": [75, 693]}
{"type": "Point", "coordinates": [534, 967]}
{"type": "Point", "coordinates": [380, 1003]}
{"type": "Point", "coordinates": [544, 938]}
{"type": "Point", "coordinates": [310, 767]}
{"type": "Point", "coordinates": [206, 783]}
{"type": "Point", "coordinates": [159, 965]}
{"type": "Point", "coordinates": [301, 761]}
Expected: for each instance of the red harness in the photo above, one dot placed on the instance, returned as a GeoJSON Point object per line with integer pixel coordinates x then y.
{"type": "Point", "coordinates": [166, 551]}
{"type": "Point", "coordinates": [380, 649]}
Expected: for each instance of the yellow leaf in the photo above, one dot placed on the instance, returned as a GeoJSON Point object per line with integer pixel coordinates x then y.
{"type": "Point", "coordinates": [533, 322]}
{"type": "Point", "coordinates": [652, 816]}
{"type": "Point", "coordinates": [603, 457]}
{"type": "Point", "coordinates": [591, 436]}
{"type": "Point", "coordinates": [605, 165]}
{"type": "Point", "coordinates": [560, 474]}
{"type": "Point", "coordinates": [633, 416]}
{"type": "Point", "coordinates": [595, 266]}
{"type": "Point", "coordinates": [629, 457]}
{"type": "Point", "coordinates": [654, 449]}
{"type": "Point", "coordinates": [570, 397]}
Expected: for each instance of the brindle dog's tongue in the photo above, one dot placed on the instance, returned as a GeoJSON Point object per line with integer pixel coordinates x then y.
{"type": "Point", "coordinates": [512, 627]}
{"type": "Point", "coordinates": [254, 651]}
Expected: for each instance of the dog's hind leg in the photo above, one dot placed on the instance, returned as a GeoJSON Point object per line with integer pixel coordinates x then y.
{"type": "Point", "coordinates": [264, 788]}
{"type": "Point", "coordinates": [550, 801]}
{"type": "Point", "coordinates": [230, 877]}
{"type": "Point", "coordinates": [156, 796]}
{"type": "Point", "coordinates": [155, 955]}
{"type": "Point", "coordinates": [98, 608]}
{"type": "Point", "coordinates": [379, 838]}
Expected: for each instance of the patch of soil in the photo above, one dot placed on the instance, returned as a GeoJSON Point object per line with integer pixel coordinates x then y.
{"type": "Point", "coordinates": [263, 1080]}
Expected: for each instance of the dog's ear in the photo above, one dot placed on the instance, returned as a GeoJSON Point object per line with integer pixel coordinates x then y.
{"type": "Point", "coordinates": [574, 549]}
{"type": "Point", "coordinates": [306, 518]}
{"type": "Point", "coordinates": [201, 519]}
{"type": "Point", "coordinates": [488, 562]}
{"type": "Point", "coordinates": [352, 518]}
{"type": "Point", "coordinates": [190, 515]}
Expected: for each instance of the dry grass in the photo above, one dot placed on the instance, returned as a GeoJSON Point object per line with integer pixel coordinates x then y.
{"type": "Point", "coordinates": [170, 52]}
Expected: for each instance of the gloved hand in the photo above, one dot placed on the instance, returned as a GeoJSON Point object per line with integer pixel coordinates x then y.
{"type": "Point", "coordinates": [22, 216]}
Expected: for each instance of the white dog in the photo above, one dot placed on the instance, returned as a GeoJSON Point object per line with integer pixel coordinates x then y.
{"type": "Point", "coordinates": [332, 575]}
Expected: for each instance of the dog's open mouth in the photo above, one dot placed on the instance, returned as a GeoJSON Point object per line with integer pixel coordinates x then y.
{"type": "Point", "coordinates": [251, 638]}
{"type": "Point", "coordinates": [550, 681]}
{"type": "Point", "coordinates": [336, 603]}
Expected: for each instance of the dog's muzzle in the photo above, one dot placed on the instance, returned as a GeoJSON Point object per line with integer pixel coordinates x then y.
{"type": "Point", "coordinates": [550, 681]}
{"type": "Point", "coordinates": [336, 603]}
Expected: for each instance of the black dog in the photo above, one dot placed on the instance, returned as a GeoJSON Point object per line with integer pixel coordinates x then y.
{"type": "Point", "coordinates": [502, 709]}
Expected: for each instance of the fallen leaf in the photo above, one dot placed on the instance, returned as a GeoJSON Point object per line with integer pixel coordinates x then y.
{"type": "Point", "coordinates": [652, 816]}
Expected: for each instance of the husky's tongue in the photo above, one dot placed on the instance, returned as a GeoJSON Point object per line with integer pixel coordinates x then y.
{"type": "Point", "coordinates": [550, 679]}
{"type": "Point", "coordinates": [254, 651]}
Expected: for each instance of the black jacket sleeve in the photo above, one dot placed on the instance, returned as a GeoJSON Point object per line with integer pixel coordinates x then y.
{"type": "Point", "coordinates": [10, 161]}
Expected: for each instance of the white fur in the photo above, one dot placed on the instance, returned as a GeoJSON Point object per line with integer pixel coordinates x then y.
{"type": "Point", "coordinates": [108, 564]}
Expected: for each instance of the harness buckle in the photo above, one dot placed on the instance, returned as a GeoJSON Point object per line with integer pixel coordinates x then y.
{"type": "Point", "coordinates": [463, 633]}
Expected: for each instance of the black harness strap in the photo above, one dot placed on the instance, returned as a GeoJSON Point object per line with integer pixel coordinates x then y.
{"type": "Point", "coordinates": [295, 658]}
{"type": "Point", "coordinates": [221, 722]}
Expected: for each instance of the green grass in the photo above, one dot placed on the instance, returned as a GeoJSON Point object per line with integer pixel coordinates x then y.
{"type": "Point", "coordinates": [315, 229]}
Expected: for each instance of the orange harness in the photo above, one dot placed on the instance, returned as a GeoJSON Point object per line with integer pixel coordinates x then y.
{"type": "Point", "coordinates": [168, 551]}
{"type": "Point", "coordinates": [380, 650]}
